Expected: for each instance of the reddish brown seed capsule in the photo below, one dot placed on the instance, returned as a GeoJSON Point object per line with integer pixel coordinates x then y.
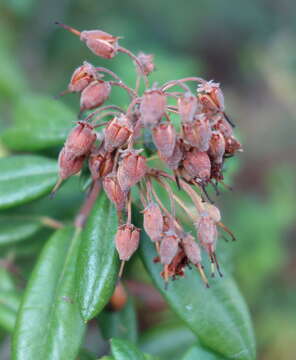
{"type": "Point", "coordinates": [198, 165]}
{"type": "Point", "coordinates": [117, 133]}
{"type": "Point", "coordinates": [164, 137]}
{"type": "Point", "coordinates": [100, 43]}
{"type": "Point", "coordinates": [153, 221]}
{"type": "Point", "coordinates": [198, 133]}
{"type": "Point", "coordinates": [114, 191]}
{"type": "Point", "coordinates": [119, 298]}
{"type": "Point", "coordinates": [152, 107]}
{"type": "Point", "coordinates": [188, 106]}
{"type": "Point", "coordinates": [147, 63]}
{"type": "Point", "coordinates": [131, 169]}
{"type": "Point", "coordinates": [127, 241]}
{"type": "Point", "coordinates": [69, 165]}
{"type": "Point", "coordinates": [174, 160]}
{"type": "Point", "coordinates": [94, 95]}
{"type": "Point", "coordinates": [80, 140]}
{"type": "Point", "coordinates": [81, 77]}
{"type": "Point", "coordinates": [217, 147]}
{"type": "Point", "coordinates": [191, 249]}
{"type": "Point", "coordinates": [168, 247]}
{"type": "Point", "coordinates": [100, 163]}
{"type": "Point", "coordinates": [207, 231]}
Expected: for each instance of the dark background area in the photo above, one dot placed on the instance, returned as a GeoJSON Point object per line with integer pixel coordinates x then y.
{"type": "Point", "coordinates": [247, 46]}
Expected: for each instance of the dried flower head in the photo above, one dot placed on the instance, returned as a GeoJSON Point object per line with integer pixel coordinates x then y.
{"type": "Point", "coordinates": [82, 76]}
{"type": "Point", "coordinates": [114, 191]}
{"type": "Point", "coordinates": [153, 221]}
{"type": "Point", "coordinates": [117, 133]}
{"type": "Point", "coordinates": [147, 61]}
{"type": "Point", "coordinates": [127, 241]}
{"type": "Point", "coordinates": [164, 137]}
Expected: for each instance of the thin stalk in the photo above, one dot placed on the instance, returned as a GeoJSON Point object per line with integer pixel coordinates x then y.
{"type": "Point", "coordinates": [172, 83]}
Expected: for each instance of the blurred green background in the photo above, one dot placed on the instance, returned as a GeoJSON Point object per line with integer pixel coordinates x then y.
{"type": "Point", "coordinates": [247, 46]}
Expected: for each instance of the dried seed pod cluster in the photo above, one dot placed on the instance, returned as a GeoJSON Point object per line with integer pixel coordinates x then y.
{"type": "Point", "coordinates": [117, 156]}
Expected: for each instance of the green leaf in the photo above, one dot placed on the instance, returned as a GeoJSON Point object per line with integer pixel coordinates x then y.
{"type": "Point", "coordinates": [125, 350]}
{"type": "Point", "coordinates": [49, 325]}
{"type": "Point", "coordinates": [167, 341]}
{"type": "Point", "coordinates": [218, 316]}
{"type": "Point", "coordinates": [15, 229]}
{"type": "Point", "coordinates": [121, 324]}
{"type": "Point", "coordinates": [98, 260]}
{"type": "Point", "coordinates": [9, 304]}
{"type": "Point", "coordinates": [24, 178]}
{"type": "Point", "coordinates": [39, 123]}
{"type": "Point", "coordinates": [197, 352]}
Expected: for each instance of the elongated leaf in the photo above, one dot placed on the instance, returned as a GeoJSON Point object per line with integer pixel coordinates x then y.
{"type": "Point", "coordinates": [24, 178]}
{"type": "Point", "coordinates": [49, 325]}
{"type": "Point", "coordinates": [39, 123]}
{"type": "Point", "coordinates": [98, 261]}
{"type": "Point", "coordinates": [125, 350]}
{"type": "Point", "coordinates": [218, 316]}
{"type": "Point", "coordinates": [15, 229]}
{"type": "Point", "coordinates": [121, 324]}
{"type": "Point", "coordinates": [167, 341]}
{"type": "Point", "coordinates": [9, 304]}
{"type": "Point", "coordinates": [197, 352]}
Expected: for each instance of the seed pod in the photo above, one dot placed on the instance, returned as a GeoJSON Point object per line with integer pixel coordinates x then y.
{"type": "Point", "coordinates": [153, 221]}
{"type": "Point", "coordinates": [191, 249]}
{"type": "Point", "coordinates": [207, 231]}
{"type": "Point", "coordinates": [94, 95]}
{"type": "Point", "coordinates": [168, 247]}
{"type": "Point", "coordinates": [131, 169]}
{"type": "Point", "coordinates": [119, 298]}
{"type": "Point", "coordinates": [147, 63]}
{"type": "Point", "coordinates": [80, 140]}
{"type": "Point", "coordinates": [100, 43]}
{"type": "Point", "coordinates": [117, 133]}
{"type": "Point", "coordinates": [69, 165]}
{"type": "Point", "coordinates": [217, 147]}
{"type": "Point", "coordinates": [100, 163]}
{"type": "Point", "coordinates": [232, 146]}
{"type": "Point", "coordinates": [197, 164]}
{"type": "Point", "coordinates": [214, 92]}
{"type": "Point", "coordinates": [188, 106]}
{"type": "Point", "coordinates": [152, 107]}
{"type": "Point", "coordinates": [127, 241]}
{"type": "Point", "coordinates": [223, 127]}
{"type": "Point", "coordinates": [81, 77]}
{"type": "Point", "coordinates": [164, 137]}
{"type": "Point", "coordinates": [198, 133]}
{"type": "Point", "coordinates": [174, 160]}
{"type": "Point", "coordinates": [114, 191]}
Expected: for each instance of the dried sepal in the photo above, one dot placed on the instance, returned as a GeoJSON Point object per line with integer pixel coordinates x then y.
{"type": "Point", "coordinates": [114, 191]}
{"type": "Point", "coordinates": [217, 147]}
{"type": "Point", "coordinates": [168, 247]}
{"type": "Point", "coordinates": [117, 133]}
{"type": "Point", "coordinates": [152, 107]}
{"type": "Point", "coordinates": [164, 137]}
{"type": "Point", "coordinates": [94, 95]}
{"type": "Point", "coordinates": [100, 163]}
{"type": "Point", "coordinates": [175, 159]}
{"type": "Point", "coordinates": [207, 232]}
{"type": "Point", "coordinates": [80, 140]}
{"type": "Point", "coordinates": [197, 164]}
{"type": "Point", "coordinates": [82, 77]}
{"type": "Point", "coordinates": [198, 133]}
{"type": "Point", "coordinates": [147, 62]}
{"type": "Point", "coordinates": [153, 221]}
{"type": "Point", "coordinates": [214, 93]}
{"type": "Point", "coordinates": [100, 43]}
{"type": "Point", "coordinates": [188, 106]}
{"type": "Point", "coordinates": [131, 169]}
{"type": "Point", "coordinates": [69, 165]}
{"type": "Point", "coordinates": [127, 241]}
